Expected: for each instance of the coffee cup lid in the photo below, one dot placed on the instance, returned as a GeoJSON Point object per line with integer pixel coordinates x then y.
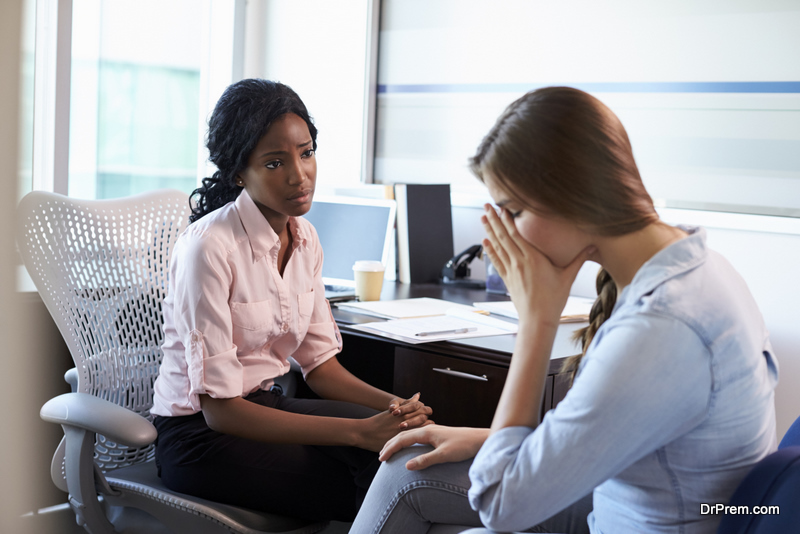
{"type": "Point", "coordinates": [368, 266]}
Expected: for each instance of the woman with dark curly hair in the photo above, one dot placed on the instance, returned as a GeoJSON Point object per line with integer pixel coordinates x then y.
{"type": "Point", "coordinates": [245, 294]}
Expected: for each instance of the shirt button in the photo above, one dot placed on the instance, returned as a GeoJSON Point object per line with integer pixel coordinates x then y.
{"type": "Point", "coordinates": [195, 337]}
{"type": "Point", "coordinates": [285, 327]}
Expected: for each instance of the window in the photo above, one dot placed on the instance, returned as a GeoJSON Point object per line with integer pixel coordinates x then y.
{"type": "Point", "coordinates": [708, 91]}
{"type": "Point", "coordinates": [134, 97]}
{"type": "Point", "coordinates": [142, 77]}
{"type": "Point", "coordinates": [322, 50]}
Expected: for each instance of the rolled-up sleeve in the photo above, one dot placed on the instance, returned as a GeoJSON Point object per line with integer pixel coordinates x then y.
{"type": "Point", "coordinates": [202, 317]}
{"type": "Point", "coordinates": [322, 340]}
{"type": "Point", "coordinates": [641, 371]}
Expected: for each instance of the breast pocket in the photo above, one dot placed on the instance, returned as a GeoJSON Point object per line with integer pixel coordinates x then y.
{"type": "Point", "coordinates": [253, 324]}
{"type": "Point", "coordinates": [305, 308]}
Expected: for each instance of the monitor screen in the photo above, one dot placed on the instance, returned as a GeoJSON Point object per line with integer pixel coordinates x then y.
{"type": "Point", "coordinates": [352, 229]}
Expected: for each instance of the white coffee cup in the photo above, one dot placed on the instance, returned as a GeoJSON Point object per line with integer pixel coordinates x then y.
{"type": "Point", "coordinates": [369, 279]}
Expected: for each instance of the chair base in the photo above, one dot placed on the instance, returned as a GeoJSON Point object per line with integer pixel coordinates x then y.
{"type": "Point", "coordinates": [141, 488]}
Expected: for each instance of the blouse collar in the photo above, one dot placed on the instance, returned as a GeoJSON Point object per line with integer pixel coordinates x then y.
{"type": "Point", "coordinates": [259, 232]}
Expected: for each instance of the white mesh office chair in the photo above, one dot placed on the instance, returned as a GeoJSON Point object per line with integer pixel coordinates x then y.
{"type": "Point", "coordinates": [101, 268]}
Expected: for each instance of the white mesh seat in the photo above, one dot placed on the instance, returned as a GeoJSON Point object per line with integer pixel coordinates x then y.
{"type": "Point", "coordinates": [101, 268]}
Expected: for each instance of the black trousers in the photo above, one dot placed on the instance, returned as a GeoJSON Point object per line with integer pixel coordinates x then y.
{"type": "Point", "coordinates": [306, 481]}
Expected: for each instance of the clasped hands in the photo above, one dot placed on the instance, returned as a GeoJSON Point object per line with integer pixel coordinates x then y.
{"type": "Point", "coordinates": [403, 414]}
{"type": "Point", "coordinates": [411, 411]}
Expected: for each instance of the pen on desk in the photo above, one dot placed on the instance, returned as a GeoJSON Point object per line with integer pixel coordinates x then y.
{"type": "Point", "coordinates": [443, 332]}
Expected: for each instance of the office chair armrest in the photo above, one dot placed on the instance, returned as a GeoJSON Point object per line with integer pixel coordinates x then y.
{"type": "Point", "coordinates": [71, 378]}
{"type": "Point", "coordinates": [82, 416]}
{"type": "Point", "coordinates": [101, 416]}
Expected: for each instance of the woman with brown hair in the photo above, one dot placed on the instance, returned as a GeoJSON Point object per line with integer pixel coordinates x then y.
{"type": "Point", "coordinates": [672, 399]}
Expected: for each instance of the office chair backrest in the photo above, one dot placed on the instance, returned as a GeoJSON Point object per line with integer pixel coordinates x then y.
{"type": "Point", "coordinates": [101, 268]}
{"type": "Point", "coordinates": [792, 436]}
{"type": "Point", "coordinates": [766, 501]}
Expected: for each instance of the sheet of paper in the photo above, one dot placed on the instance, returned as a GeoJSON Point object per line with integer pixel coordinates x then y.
{"type": "Point", "coordinates": [408, 330]}
{"type": "Point", "coordinates": [402, 308]}
{"type": "Point", "coordinates": [505, 308]}
{"type": "Point", "coordinates": [576, 309]}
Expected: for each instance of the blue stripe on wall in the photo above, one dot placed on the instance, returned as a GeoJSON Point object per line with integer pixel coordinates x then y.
{"type": "Point", "coordinates": [601, 87]}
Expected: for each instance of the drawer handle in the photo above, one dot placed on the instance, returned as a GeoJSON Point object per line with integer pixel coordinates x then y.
{"type": "Point", "coordinates": [468, 376]}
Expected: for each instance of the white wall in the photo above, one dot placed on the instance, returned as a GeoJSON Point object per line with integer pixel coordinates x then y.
{"type": "Point", "coordinates": [708, 91]}
{"type": "Point", "coordinates": [18, 446]}
{"type": "Point", "coordinates": [770, 263]}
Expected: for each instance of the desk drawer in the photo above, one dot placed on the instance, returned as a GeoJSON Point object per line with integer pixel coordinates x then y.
{"type": "Point", "coordinates": [461, 393]}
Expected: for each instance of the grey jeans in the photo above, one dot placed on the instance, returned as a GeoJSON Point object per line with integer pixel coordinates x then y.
{"type": "Point", "coordinates": [418, 502]}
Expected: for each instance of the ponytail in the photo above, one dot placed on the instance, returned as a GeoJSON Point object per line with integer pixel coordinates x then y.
{"type": "Point", "coordinates": [601, 310]}
{"type": "Point", "coordinates": [214, 193]}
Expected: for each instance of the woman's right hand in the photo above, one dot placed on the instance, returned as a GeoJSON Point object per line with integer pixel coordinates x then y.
{"type": "Point", "coordinates": [450, 444]}
{"type": "Point", "coordinates": [538, 288]}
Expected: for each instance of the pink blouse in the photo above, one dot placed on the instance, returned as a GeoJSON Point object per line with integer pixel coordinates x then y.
{"type": "Point", "coordinates": [230, 320]}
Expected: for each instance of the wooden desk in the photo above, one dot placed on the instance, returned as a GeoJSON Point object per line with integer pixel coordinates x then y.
{"type": "Point", "coordinates": [461, 380]}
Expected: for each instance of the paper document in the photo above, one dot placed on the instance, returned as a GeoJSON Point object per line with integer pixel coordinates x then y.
{"type": "Point", "coordinates": [457, 323]}
{"type": "Point", "coordinates": [403, 308]}
{"type": "Point", "coordinates": [576, 310]}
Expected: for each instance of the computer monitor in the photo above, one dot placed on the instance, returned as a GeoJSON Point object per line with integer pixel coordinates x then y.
{"type": "Point", "coordinates": [352, 229]}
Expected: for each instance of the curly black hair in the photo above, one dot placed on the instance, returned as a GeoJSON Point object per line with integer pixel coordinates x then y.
{"type": "Point", "coordinates": [240, 119]}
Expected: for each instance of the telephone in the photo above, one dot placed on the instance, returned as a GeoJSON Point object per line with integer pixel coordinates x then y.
{"type": "Point", "coordinates": [456, 271]}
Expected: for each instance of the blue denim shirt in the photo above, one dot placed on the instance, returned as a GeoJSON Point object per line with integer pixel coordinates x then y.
{"type": "Point", "coordinates": [673, 404]}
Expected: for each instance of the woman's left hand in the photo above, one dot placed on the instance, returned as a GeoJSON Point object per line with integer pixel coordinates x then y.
{"type": "Point", "coordinates": [538, 288]}
{"type": "Point", "coordinates": [450, 444]}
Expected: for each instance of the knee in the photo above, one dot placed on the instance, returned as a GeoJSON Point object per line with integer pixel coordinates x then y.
{"type": "Point", "coordinates": [393, 476]}
{"type": "Point", "coordinates": [394, 469]}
